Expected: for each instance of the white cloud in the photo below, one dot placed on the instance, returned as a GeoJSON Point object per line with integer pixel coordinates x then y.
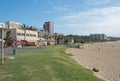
{"type": "Point", "coordinates": [63, 8]}
{"type": "Point", "coordinates": [96, 2]}
{"type": "Point", "coordinates": [58, 9]}
{"type": "Point", "coordinates": [102, 20]}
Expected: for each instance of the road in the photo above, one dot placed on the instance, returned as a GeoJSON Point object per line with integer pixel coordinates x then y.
{"type": "Point", "coordinates": [19, 50]}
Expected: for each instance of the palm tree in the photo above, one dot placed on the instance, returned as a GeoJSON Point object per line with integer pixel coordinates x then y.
{"type": "Point", "coordinates": [25, 28]}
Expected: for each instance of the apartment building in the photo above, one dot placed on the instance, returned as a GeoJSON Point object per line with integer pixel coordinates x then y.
{"type": "Point", "coordinates": [12, 25]}
{"type": "Point", "coordinates": [49, 27]}
{"type": "Point", "coordinates": [2, 32]}
{"type": "Point", "coordinates": [100, 37]}
{"type": "Point", "coordinates": [2, 25]}
{"type": "Point", "coordinates": [21, 34]}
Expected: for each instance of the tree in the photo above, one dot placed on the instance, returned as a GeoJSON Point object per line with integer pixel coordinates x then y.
{"type": "Point", "coordinates": [77, 38]}
{"type": "Point", "coordinates": [25, 28]}
{"type": "Point", "coordinates": [8, 39]}
{"type": "Point", "coordinates": [46, 36]}
{"type": "Point", "coordinates": [60, 39]}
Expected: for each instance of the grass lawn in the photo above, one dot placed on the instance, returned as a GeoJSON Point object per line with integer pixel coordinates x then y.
{"type": "Point", "coordinates": [49, 64]}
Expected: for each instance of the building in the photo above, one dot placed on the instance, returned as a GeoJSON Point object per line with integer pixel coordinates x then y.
{"type": "Point", "coordinates": [49, 27]}
{"type": "Point", "coordinates": [2, 25]}
{"type": "Point", "coordinates": [97, 37]}
{"type": "Point", "coordinates": [41, 40]}
{"type": "Point", "coordinates": [71, 40]}
{"type": "Point", "coordinates": [12, 25]}
{"type": "Point", "coordinates": [2, 28]}
{"type": "Point", "coordinates": [18, 33]}
{"type": "Point", "coordinates": [41, 35]}
{"type": "Point", "coordinates": [21, 34]}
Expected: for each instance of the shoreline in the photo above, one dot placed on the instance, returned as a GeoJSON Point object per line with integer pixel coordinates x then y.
{"type": "Point", "coordinates": [104, 56]}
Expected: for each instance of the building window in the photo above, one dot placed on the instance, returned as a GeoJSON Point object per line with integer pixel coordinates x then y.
{"type": "Point", "coordinates": [31, 35]}
{"type": "Point", "coordinates": [34, 35]}
{"type": "Point", "coordinates": [23, 34]}
{"type": "Point", "coordinates": [27, 34]}
{"type": "Point", "coordinates": [18, 34]}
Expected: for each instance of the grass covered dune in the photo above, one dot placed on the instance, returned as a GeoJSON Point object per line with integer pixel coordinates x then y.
{"type": "Point", "coordinates": [49, 64]}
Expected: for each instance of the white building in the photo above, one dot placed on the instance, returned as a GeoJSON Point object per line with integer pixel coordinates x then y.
{"type": "Point", "coordinates": [12, 25]}
{"type": "Point", "coordinates": [2, 25]}
{"type": "Point", "coordinates": [28, 35]}
{"type": "Point", "coordinates": [98, 37]}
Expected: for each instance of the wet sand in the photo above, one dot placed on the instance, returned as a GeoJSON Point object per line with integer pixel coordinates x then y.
{"type": "Point", "coordinates": [104, 56]}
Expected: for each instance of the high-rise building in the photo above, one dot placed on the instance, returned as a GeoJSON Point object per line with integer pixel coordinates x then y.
{"type": "Point", "coordinates": [49, 27]}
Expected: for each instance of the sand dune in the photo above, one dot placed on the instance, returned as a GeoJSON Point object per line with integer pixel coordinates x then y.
{"type": "Point", "coordinates": [104, 56]}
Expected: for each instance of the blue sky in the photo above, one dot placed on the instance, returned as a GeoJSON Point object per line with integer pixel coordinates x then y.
{"type": "Point", "coordinates": [80, 17]}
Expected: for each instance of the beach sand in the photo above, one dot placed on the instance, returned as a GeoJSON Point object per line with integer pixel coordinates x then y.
{"type": "Point", "coordinates": [104, 56]}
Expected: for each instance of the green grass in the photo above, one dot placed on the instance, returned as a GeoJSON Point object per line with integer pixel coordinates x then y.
{"type": "Point", "coordinates": [49, 64]}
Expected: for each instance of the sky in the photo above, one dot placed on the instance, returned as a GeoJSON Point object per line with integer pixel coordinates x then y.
{"type": "Point", "coordinates": [78, 17]}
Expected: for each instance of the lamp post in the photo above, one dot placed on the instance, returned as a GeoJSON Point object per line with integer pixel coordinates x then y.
{"type": "Point", "coordinates": [2, 47]}
{"type": "Point", "coordinates": [2, 36]}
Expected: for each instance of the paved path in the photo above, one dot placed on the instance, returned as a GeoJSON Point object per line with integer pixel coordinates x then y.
{"type": "Point", "coordinates": [20, 50]}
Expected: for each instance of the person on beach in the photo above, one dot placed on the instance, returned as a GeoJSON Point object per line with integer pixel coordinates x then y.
{"type": "Point", "coordinates": [99, 49]}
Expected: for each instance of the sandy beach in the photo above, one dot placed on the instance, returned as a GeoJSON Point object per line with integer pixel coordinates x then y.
{"type": "Point", "coordinates": [104, 56]}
